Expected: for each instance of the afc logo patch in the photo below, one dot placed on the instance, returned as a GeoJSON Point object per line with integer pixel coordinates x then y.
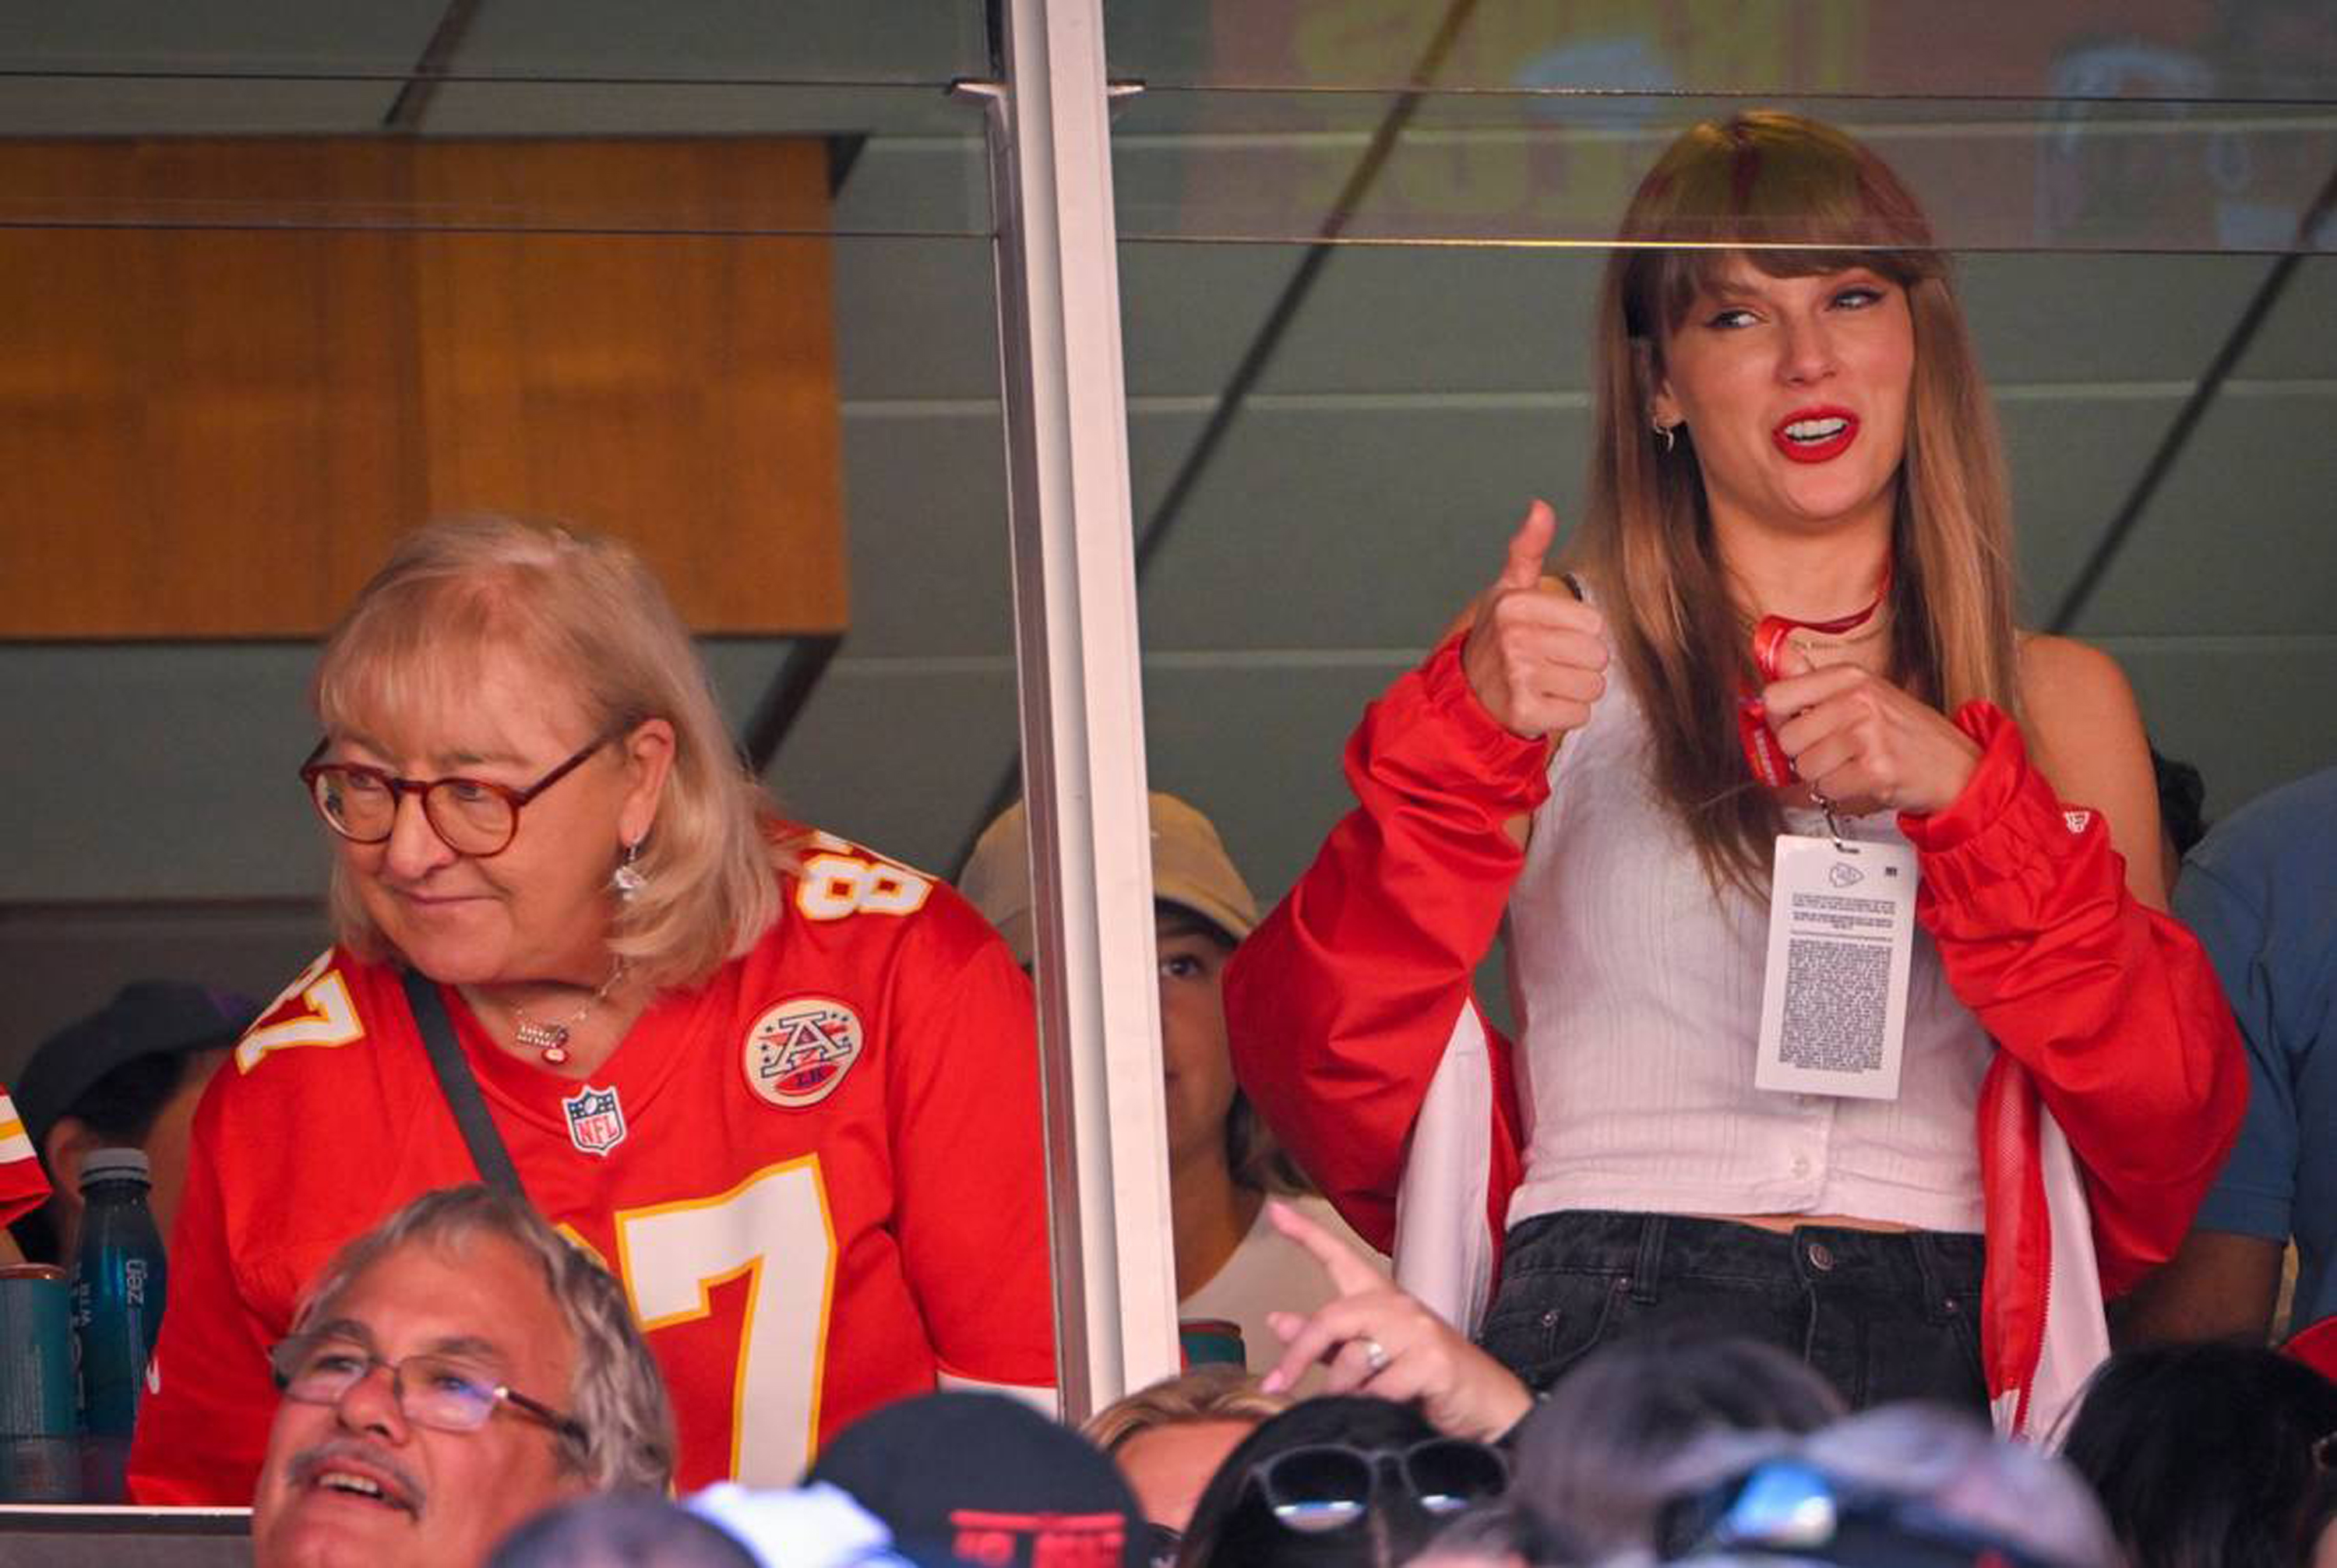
{"type": "Point", "coordinates": [799, 1051]}
{"type": "Point", "coordinates": [596, 1122]}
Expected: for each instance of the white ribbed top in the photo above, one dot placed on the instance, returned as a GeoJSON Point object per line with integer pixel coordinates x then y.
{"type": "Point", "coordinates": [1639, 993]}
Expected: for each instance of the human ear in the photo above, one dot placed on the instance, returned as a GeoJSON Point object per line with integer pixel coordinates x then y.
{"type": "Point", "coordinates": [69, 1141]}
{"type": "Point", "coordinates": [1663, 408]}
{"type": "Point", "coordinates": [649, 759]}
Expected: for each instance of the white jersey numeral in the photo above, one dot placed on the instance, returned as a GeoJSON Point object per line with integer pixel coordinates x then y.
{"type": "Point", "coordinates": [331, 1018]}
{"type": "Point", "coordinates": [833, 886]}
{"type": "Point", "coordinates": [672, 1255]}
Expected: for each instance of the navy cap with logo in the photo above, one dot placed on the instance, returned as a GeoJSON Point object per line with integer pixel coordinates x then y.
{"type": "Point", "coordinates": [983, 1479]}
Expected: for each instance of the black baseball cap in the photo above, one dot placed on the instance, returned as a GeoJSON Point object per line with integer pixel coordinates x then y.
{"type": "Point", "coordinates": [145, 1018]}
{"type": "Point", "coordinates": [982, 1479]}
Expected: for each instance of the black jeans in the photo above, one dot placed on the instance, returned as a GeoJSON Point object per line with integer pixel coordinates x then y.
{"type": "Point", "coordinates": [1881, 1315]}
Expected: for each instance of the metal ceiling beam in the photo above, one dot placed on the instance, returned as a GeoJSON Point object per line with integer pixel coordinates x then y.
{"type": "Point", "coordinates": [784, 699]}
{"type": "Point", "coordinates": [413, 100]}
{"type": "Point", "coordinates": [2210, 384]}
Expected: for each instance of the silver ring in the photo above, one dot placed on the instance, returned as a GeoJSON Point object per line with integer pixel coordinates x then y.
{"type": "Point", "coordinates": [1375, 1356]}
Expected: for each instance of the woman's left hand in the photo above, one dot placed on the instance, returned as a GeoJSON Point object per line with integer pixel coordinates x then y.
{"type": "Point", "coordinates": [1377, 1339]}
{"type": "Point", "coordinates": [1864, 744]}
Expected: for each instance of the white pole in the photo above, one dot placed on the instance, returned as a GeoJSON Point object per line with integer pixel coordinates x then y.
{"type": "Point", "coordinates": [1073, 540]}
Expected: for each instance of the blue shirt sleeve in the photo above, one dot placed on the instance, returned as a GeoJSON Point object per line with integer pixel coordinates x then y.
{"type": "Point", "coordinates": [2256, 1193]}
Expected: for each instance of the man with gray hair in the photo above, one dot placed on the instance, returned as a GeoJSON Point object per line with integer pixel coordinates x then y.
{"type": "Point", "coordinates": [452, 1372]}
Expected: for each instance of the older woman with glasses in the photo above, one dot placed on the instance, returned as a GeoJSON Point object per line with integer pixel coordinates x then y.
{"type": "Point", "coordinates": [785, 1088]}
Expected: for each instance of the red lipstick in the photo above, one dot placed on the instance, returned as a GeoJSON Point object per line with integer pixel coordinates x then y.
{"type": "Point", "coordinates": [1815, 434]}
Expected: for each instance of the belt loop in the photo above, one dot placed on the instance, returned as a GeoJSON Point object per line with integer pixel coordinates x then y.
{"type": "Point", "coordinates": [1649, 1267]}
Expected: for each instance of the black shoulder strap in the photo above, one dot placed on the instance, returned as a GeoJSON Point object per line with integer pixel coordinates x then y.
{"type": "Point", "coordinates": [460, 1088]}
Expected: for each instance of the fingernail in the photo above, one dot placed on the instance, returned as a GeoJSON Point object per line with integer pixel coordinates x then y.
{"type": "Point", "coordinates": [1272, 1383]}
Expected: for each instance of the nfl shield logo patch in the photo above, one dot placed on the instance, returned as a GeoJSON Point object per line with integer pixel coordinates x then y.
{"type": "Point", "coordinates": [596, 1122]}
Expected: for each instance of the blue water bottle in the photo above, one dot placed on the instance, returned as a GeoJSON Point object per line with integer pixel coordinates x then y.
{"type": "Point", "coordinates": [117, 1309]}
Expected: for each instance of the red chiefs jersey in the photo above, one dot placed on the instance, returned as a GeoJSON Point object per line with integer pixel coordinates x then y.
{"type": "Point", "coordinates": [819, 1177]}
{"type": "Point", "coordinates": [22, 1187]}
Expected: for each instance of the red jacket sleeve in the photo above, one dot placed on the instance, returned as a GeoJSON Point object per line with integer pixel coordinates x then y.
{"type": "Point", "coordinates": [23, 1186]}
{"type": "Point", "coordinates": [202, 1426]}
{"type": "Point", "coordinates": [1339, 1005]}
{"type": "Point", "coordinates": [2113, 1007]}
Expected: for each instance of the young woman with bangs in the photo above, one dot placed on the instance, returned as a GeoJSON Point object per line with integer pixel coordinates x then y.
{"type": "Point", "coordinates": [1789, 611]}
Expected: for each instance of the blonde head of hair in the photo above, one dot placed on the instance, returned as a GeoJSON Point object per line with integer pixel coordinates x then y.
{"type": "Point", "coordinates": [585, 617]}
{"type": "Point", "coordinates": [1212, 1393]}
{"type": "Point", "coordinates": [1791, 198]}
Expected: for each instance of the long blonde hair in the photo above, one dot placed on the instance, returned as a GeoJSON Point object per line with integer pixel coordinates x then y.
{"type": "Point", "coordinates": [1770, 179]}
{"type": "Point", "coordinates": [584, 612]}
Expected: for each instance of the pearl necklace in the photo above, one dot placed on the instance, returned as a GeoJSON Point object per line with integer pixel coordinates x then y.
{"type": "Point", "coordinates": [551, 1039]}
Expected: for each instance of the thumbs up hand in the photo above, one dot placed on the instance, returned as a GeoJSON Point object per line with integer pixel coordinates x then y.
{"type": "Point", "coordinates": [1536, 656]}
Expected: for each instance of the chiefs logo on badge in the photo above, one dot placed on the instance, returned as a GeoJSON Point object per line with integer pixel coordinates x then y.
{"type": "Point", "coordinates": [596, 1122]}
{"type": "Point", "coordinates": [799, 1051]}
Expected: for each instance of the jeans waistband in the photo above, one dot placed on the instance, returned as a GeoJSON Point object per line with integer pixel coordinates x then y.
{"type": "Point", "coordinates": [1648, 1249]}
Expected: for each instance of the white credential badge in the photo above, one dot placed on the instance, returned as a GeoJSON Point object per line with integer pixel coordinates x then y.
{"type": "Point", "coordinates": [1833, 1000]}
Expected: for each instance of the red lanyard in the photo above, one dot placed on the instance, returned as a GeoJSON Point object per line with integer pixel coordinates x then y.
{"type": "Point", "coordinates": [1769, 762]}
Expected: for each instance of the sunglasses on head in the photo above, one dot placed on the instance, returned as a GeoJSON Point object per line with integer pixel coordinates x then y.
{"type": "Point", "coordinates": [1328, 1486]}
{"type": "Point", "coordinates": [1789, 1508]}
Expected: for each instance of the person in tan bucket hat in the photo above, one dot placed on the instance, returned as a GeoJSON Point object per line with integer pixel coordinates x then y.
{"type": "Point", "coordinates": [1233, 1266]}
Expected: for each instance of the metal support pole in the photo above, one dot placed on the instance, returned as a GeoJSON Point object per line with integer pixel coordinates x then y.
{"type": "Point", "coordinates": [1072, 535]}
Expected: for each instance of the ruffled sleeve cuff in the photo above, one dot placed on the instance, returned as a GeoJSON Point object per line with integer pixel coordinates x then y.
{"type": "Point", "coordinates": [1517, 767]}
{"type": "Point", "coordinates": [2005, 828]}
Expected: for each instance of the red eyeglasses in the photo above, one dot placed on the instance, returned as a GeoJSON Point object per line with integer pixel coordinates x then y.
{"type": "Point", "coordinates": [474, 816]}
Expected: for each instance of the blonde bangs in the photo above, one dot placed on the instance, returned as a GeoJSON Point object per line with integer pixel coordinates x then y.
{"type": "Point", "coordinates": [420, 647]}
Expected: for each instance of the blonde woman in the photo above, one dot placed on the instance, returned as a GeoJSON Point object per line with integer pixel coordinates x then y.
{"type": "Point", "coordinates": [786, 1089]}
{"type": "Point", "coordinates": [1790, 613]}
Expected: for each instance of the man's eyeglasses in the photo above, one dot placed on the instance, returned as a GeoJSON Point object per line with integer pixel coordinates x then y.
{"type": "Point", "coordinates": [1328, 1486]}
{"type": "Point", "coordinates": [474, 816]}
{"type": "Point", "coordinates": [1789, 1508]}
{"type": "Point", "coordinates": [436, 1391]}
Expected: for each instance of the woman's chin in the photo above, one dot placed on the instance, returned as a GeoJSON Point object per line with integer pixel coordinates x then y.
{"type": "Point", "coordinates": [449, 955]}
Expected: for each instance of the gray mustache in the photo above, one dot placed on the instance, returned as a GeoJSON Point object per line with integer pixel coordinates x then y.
{"type": "Point", "coordinates": [306, 1463]}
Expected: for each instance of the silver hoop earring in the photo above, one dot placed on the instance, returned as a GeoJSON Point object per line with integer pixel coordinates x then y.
{"type": "Point", "coordinates": [627, 881]}
{"type": "Point", "coordinates": [1665, 431]}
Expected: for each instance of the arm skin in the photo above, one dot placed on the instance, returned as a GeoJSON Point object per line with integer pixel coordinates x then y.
{"type": "Point", "coordinates": [1339, 1005]}
{"type": "Point", "coordinates": [2220, 1286]}
{"type": "Point", "coordinates": [2063, 949]}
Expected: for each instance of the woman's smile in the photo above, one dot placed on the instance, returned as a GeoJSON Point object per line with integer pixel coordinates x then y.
{"type": "Point", "coordinates": [1815, 434]}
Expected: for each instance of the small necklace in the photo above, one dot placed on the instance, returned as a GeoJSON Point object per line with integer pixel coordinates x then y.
{"type": "Point", "coordinates": [1769, 764]}
{"type": "Point", "coordinates": [551, 1039]}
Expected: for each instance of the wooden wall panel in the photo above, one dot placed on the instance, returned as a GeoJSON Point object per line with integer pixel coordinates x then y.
{"type": "Point", "coordinates": [216, 432]}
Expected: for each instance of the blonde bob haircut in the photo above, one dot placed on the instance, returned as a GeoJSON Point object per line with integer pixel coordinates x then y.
{"type": "Point", "coordinates": [1214, 1392]}
{"type": "Point", "coordinates": [584, 614]}
{"type": "Point", "coordinates": [1801, 200]}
